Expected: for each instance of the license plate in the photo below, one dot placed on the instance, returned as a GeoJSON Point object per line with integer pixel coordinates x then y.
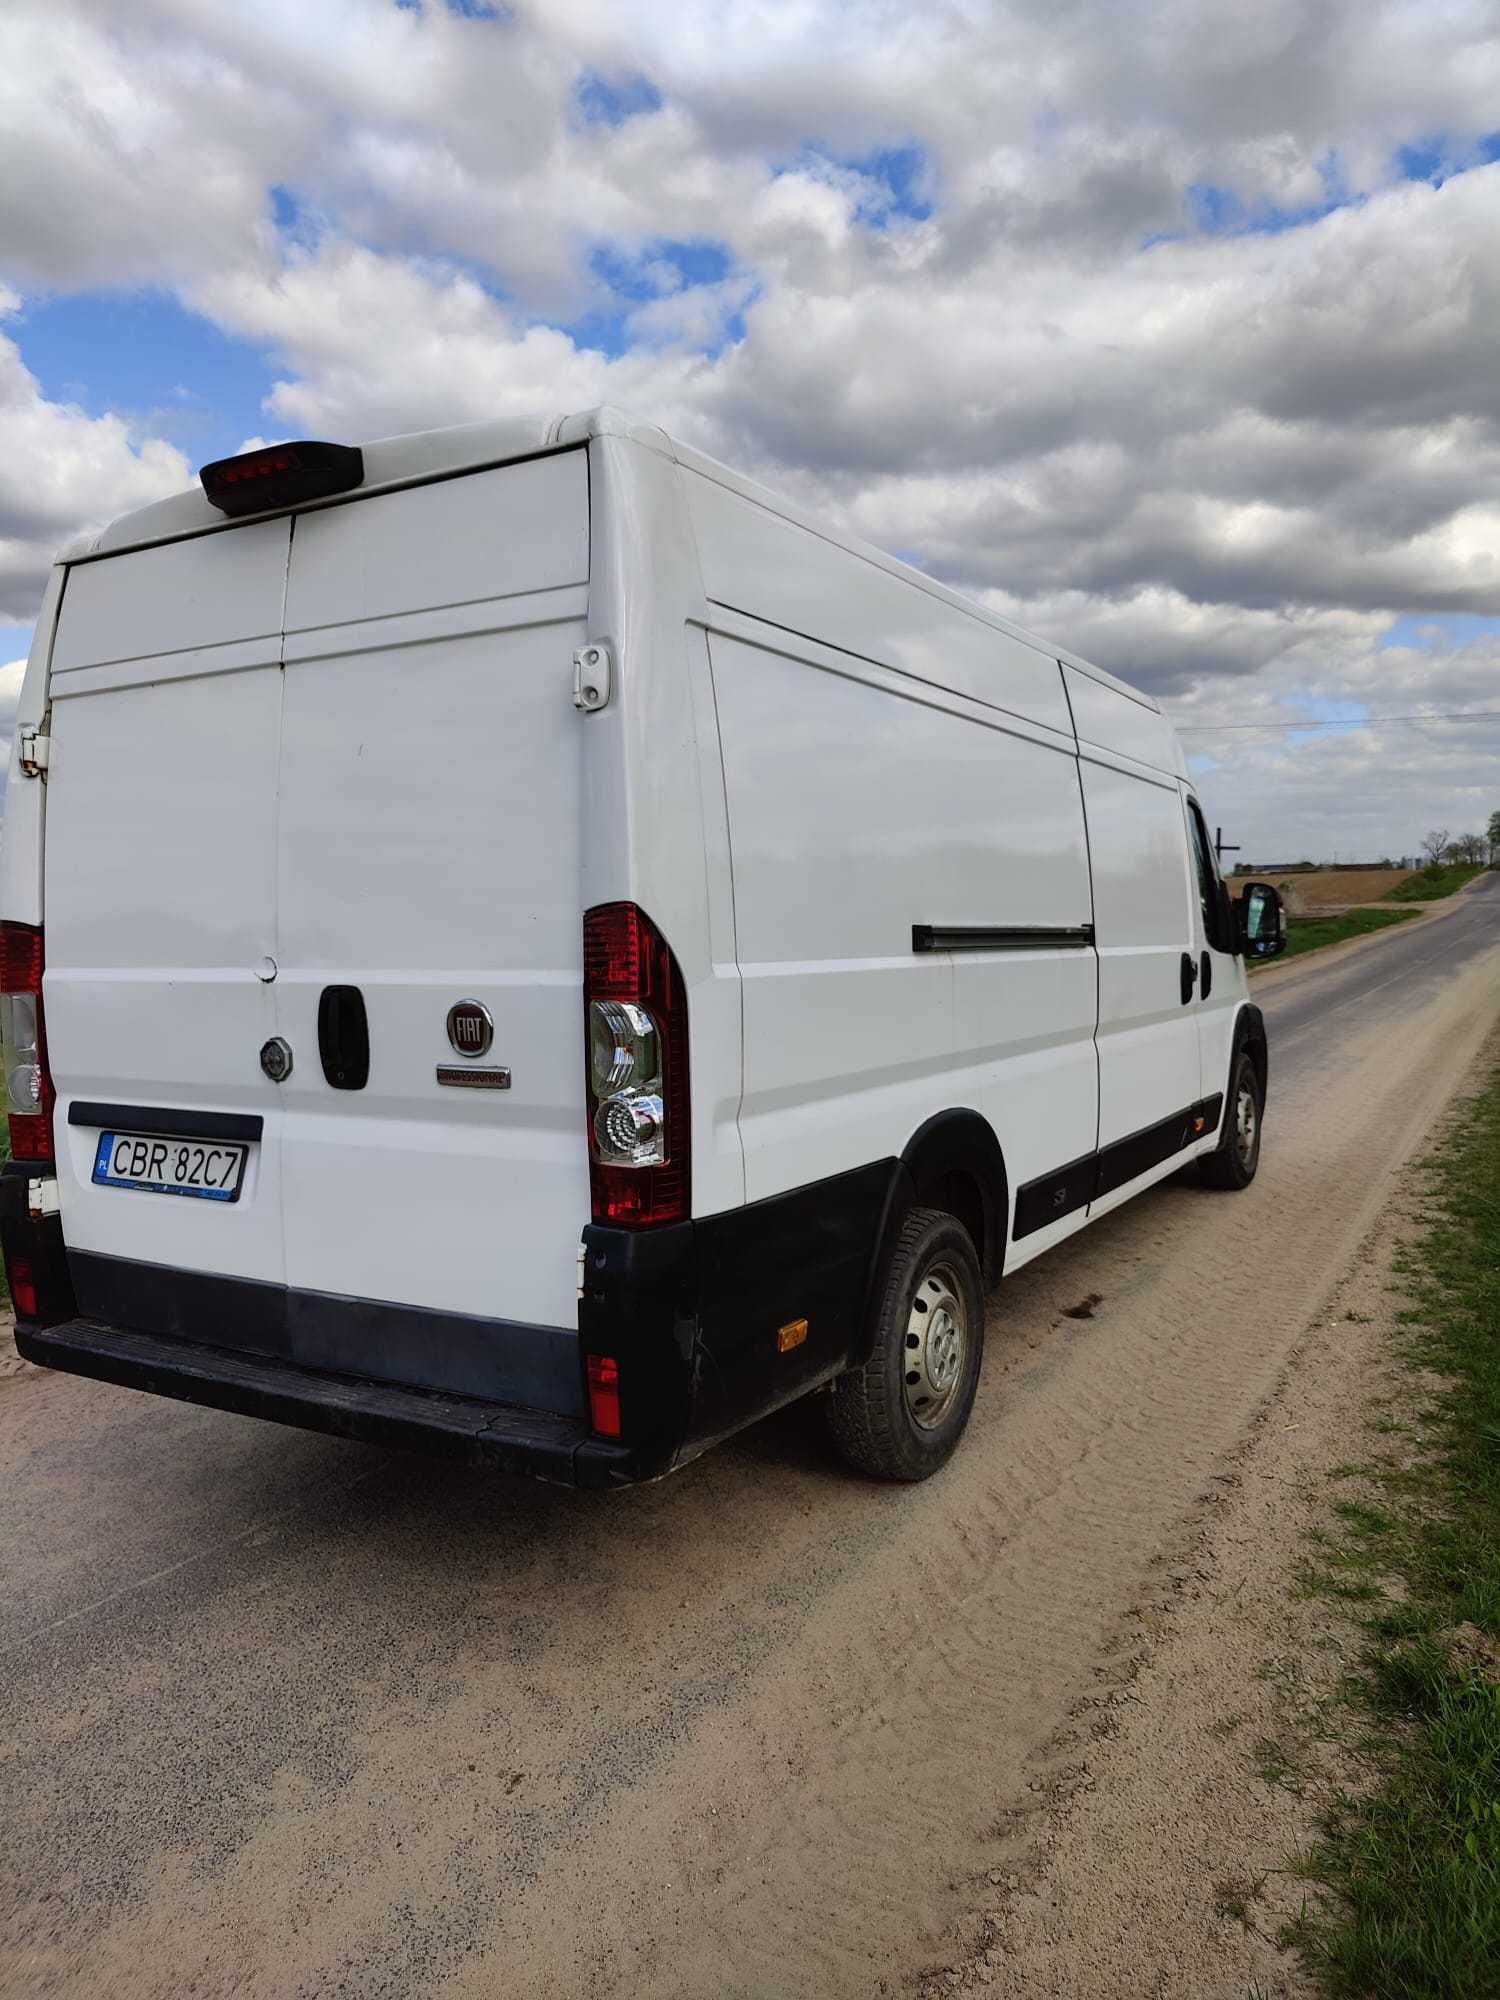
{"type": "Point", "coordinates": [207, 1169]}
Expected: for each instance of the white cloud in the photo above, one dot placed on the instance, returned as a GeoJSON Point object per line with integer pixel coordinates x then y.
{"type": "Point", "coordinates": [60, 471]}
{"type": "Point", "coordinates": [1221, 463]}
{"type": "Point", "coordinates": [11, 676]}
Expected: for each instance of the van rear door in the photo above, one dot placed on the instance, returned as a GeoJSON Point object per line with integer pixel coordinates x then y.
{"type": "Point", "coordinates": [427, 853]}
{"type": "Point", "coordinates": [160, 881]}
{"type": "Point", "coordinates": [335, 751]}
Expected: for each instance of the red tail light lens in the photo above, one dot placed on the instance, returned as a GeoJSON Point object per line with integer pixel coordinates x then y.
{"type": "Point", "coordinates": [22, 1285]}
{"type": "Point", "coordinates": [635, 1013]}
{"type": "Point", "coordinates": [28, 1083]}
{"type": "Point", "coordinates": [282, 475]}
{"type": "Point", "coordinates": [604, 1395]}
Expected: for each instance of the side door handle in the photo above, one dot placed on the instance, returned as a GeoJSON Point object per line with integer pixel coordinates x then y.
{"type": "Point", "coordinates": [1189, 976]}
{"type": "Point", "coordinates": [1205, 975]}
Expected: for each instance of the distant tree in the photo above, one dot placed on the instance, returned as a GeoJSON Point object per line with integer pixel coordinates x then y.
{"type": "Point", "coordinates": [1494, 833]}
{"type": "Point", "coordinates": [1434, 843]}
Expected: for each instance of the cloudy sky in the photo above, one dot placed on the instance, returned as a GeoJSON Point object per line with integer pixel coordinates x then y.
{"type": "Point", "coordinates": [1171, 329]}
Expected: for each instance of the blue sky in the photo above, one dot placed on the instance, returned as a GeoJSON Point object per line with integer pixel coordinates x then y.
{"type": "Point", "coordinates": [144, 356]}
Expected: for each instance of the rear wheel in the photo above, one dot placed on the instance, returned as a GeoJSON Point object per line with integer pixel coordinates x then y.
{"type": "Point", "coordinates": [900, 1415]}
{"type": "Point", "coordinates": [1233, 1161]}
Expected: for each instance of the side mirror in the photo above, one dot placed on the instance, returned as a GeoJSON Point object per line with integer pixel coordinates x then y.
{"type": "Point", "coordinates": [1261, 921]}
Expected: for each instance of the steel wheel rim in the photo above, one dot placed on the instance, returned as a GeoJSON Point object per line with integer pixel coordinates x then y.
{"type": "Point", "coordinates": [1246, 1125]}
{"type": "Point", "coordinates": [935, 1348]}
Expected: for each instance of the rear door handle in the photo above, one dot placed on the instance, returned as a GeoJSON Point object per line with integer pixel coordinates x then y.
{"type": "Point", "coordinates": [344, 1037]}
{"type": "Point", "coordinates": [1189, 976]}
{"type": "Point", "coordinates": [1205, 975]}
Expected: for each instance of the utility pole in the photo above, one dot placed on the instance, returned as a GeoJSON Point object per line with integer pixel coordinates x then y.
{"type": "Point", "coordinates": [1221, 848]}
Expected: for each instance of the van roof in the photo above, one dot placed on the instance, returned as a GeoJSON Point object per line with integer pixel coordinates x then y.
{"type": "Point", "coordinates": [394, 461]}
{"type": "Point", "coordinates": [416, 456]}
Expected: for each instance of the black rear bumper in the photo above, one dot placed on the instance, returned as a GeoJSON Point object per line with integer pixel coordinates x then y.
{"type": "Point", "coordinates": [692, 1314]}
{"type": "Point", "coordinates": [497, 1436]}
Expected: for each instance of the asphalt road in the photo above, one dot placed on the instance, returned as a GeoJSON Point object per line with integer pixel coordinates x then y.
{"type": "Point", "coordinates": [1306, 998]}
{"type": "Point", "coordinates": [289, 1717]}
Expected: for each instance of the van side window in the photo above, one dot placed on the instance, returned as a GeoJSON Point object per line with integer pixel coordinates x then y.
{"type": "Point", "coordinates": [1208, 876]}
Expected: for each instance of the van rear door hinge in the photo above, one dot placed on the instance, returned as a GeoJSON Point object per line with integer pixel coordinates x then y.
{"type": "Point", "coordinates": [36, 751]}
{"type": "Point", "coordinates": [41, 1198]}
{"type": "Point", "coordinates": [592, 676]}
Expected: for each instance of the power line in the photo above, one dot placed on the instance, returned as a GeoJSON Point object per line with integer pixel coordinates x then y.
{"type": "Point", "coordinates": [1342, 722]}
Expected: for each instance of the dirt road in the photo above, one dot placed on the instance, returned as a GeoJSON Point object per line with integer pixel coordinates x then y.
{"type": "Point", "coordinates": [285, 1717]}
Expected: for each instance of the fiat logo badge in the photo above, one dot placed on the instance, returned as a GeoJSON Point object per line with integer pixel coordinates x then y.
{"type": "Point", "coordinates": [470, 1028]}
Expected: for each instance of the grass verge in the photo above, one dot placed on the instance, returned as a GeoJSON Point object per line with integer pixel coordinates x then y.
{"type": "Point", "coordinates": [1313, 933]}
{"type": "Point", "coordinates": [1410, 1867]}
{"type": "Point", "coordinates": [1438, 878]}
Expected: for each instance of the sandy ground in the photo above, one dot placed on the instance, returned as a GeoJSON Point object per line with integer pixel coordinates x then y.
{"type": "Point", "coordinates": [1165, 1866]}
{"type": "Point", "coordinates": [289, 1718]}
{"type": "Point", "coordinates": [11, 1364]}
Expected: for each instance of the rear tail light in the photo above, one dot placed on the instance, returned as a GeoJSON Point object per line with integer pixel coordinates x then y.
{"type": "Point", "coordinates": [28, 1083]}
{"type": "Point", "coordinates": [604, 1395]}
{"type": "Point", "coordinates": [22, 1275]}
{"type": "Point", "coordinates": [638, 1070]}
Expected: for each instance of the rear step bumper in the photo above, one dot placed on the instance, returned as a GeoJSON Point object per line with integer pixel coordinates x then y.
{"type": "Point", "coordinates": [498, 1436]}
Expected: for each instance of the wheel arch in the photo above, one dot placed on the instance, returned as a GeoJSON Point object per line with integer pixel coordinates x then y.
{"type": "Point", "coordinates": [952, 1161]}
{"type": "Point", "coordinates": [1250, 1035]}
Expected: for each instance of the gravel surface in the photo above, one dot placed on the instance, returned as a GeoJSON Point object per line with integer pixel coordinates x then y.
{"type": "Point", "coordinates": [288, 1717]}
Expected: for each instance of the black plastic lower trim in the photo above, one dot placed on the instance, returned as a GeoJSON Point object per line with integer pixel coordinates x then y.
{"type": "Point", "coordinates": [1066, 1189]}
{"type": "Point", "coordinates": [171, 1124]}
{"type": "Point", "coordinates": [33, 1244]}
{"type": "Point", "coordinates": [1054, 1195]}
{"type": "Point", "coordinates": [692, 1312]}
{"type": "Point", "coordinates": [494, 1359]}
{"type": "Point", "coordinates": [504, 1438]}
{"type": "Point", "coordinates": [1138, 1152]}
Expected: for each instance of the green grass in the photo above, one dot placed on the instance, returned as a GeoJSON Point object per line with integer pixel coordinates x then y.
{"type": "Point", "coordinates": [1410, 1864]}
{"type": "Point", "coordinates": [1313, 933]}
{"type": "Point", "coordinates": [1438, 878]}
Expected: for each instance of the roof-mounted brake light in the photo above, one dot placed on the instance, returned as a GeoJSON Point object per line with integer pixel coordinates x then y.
{"type": "Point", "coordinates": [282, 475]}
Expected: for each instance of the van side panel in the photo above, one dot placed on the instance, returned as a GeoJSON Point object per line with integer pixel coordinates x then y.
{"type": "Point", "coordinates": [1148, 1038]}
{"type": "Point", "coordinates": [861, 807]}
{"type": "Point", "coordinates": [771, 568]}
{"type": "Point", "coordinates": [1108, 718]}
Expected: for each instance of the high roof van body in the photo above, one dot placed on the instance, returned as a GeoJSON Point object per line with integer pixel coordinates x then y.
{"type": "Point", "coordinates": [520, 942]}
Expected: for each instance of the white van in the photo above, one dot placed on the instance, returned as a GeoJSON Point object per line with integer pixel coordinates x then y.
{"type": "Point", "coordinates": [548, 953]}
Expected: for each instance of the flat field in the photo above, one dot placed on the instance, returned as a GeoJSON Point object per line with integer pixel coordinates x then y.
{"type": "Point", "coordinates": [1337, 888]}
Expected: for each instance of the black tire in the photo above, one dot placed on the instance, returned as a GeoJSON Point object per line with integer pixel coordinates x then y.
{"type": "Point", "coordinates": [893, 1421]}
{"type": "Point", "coordinates": [1232, 1163]}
